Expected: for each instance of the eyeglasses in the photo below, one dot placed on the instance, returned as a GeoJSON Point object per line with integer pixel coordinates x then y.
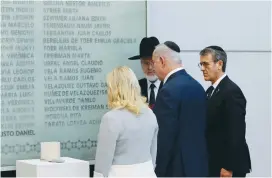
{"type": "Point", "coordinates": [147, 63]}
{"type": "Point", "coordinates": [204, 64]}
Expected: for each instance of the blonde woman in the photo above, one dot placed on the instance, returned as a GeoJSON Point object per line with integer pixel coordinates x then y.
{"type": "Point", "coordinates": [127, 139]}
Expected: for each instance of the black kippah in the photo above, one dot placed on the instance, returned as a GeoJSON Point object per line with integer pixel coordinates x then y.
{"type": "Point", "coordinates": [172, 45]}
{"type": "Point", "coordinates": [216, 48]}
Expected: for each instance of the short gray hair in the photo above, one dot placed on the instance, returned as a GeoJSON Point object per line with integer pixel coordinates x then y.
{"type": "Point", "coordinates": [217, 56]}
{"type": "Point", "coordinates": [169, 53]}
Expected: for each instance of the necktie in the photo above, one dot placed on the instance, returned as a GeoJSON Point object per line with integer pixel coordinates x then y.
{"type": "Point", "coordinates": [209, 92]}
{"type": "Point", "coordinates": [152, 95]}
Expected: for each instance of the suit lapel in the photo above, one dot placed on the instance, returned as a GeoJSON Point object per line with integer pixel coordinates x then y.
{"type": "Point", "coordinates": [216, 100]}
{"type": "Point", "coordinates": [144, 90]}
{"type": "Point", "coordinates": [219, 87]}
{"type": "Point", "coordinates": [215, 92]}
{"type": "Point", "coordinates": [143, 85]}
{"type": "Point", "coordinates": [161, 84]}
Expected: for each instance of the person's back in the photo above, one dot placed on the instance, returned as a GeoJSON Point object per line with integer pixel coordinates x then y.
{"type": "Point", "coordinates": [127, 139]}
{"type": "Point", "coordinates": [187, 140]}
{"type": "Point", "coordinates": [181, 111]}
{"type": "Point", "coordinates": [135, 136]}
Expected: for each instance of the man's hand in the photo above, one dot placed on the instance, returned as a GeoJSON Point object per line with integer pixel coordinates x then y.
{"type": "Point", "coordinates": [225, 173]}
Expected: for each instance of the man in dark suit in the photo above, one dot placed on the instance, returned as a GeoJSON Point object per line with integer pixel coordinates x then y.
{"type": "Point", "coordinates": [226, 127]}
{"type": "Point", "coordinates": [180, 110]}
{"type": "Point", "coordinates": [150, 85]}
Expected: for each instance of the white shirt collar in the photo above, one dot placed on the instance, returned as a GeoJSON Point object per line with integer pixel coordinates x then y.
{"type": "Point", "coordinates": [172, 72]}
{"type": "Point", "coordinates": [157, 83]}
{"type": "Point", "coordinates": [218, 81]}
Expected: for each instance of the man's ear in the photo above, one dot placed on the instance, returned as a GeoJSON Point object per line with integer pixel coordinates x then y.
{"type": "Point", "coordinates": [162, 60]}
{"type": "Point", "coordinates": [220, 65]}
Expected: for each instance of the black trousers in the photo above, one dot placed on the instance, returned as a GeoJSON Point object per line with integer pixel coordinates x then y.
{"type": "Point", "coordinates": [238, 174]}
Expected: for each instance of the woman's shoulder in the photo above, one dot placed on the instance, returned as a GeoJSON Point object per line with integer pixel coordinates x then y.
{"type": "Point", "coordinates": [118, 113]}
{"type": "Point", "coordinates": [111, 119]}
{"type": "Point", "coordinates": [115, 114]}
{"type": "Point", "coordinates": [148, 111]}
{"type": "Point", "coordinates": [110, 114]}
{"type": "Point", "coordinates": [148, 114]}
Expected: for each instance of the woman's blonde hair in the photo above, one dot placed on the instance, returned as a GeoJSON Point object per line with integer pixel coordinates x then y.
{"type": "Point", "coordinates": [124, 90]}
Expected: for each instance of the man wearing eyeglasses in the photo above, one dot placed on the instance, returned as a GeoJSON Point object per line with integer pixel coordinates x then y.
{"type": "Point", "coordinates": [150, 85]}
{"type": "Point", "coordinates": [226, 127]}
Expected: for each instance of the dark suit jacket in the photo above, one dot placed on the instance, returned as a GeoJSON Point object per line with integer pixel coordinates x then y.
{"type": "Point", "coordinates": [143, 85]}
{"type": "Point", "coordinates": [181, 111]}
{"type": "Point", "coordinates": [226, 129]}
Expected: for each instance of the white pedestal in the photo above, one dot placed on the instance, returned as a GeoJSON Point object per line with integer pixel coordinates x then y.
{"type": "Point", "coordinates": [38, 168]}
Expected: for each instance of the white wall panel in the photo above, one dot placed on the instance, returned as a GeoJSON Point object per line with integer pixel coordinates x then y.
{"type": "Point", "coordinates": [242, 25]}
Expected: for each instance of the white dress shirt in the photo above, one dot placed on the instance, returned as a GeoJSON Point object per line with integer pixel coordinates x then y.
{"type": "Point", "coordinates": [217, 82]}
{"type": "Point", "coordinates": [172, 72]}
{"type": "Point", "coordinates": [156, 89]}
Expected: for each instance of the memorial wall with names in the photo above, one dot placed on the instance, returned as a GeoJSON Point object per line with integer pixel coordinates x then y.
{"type": "Point", "coordinates": [55, 56]}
